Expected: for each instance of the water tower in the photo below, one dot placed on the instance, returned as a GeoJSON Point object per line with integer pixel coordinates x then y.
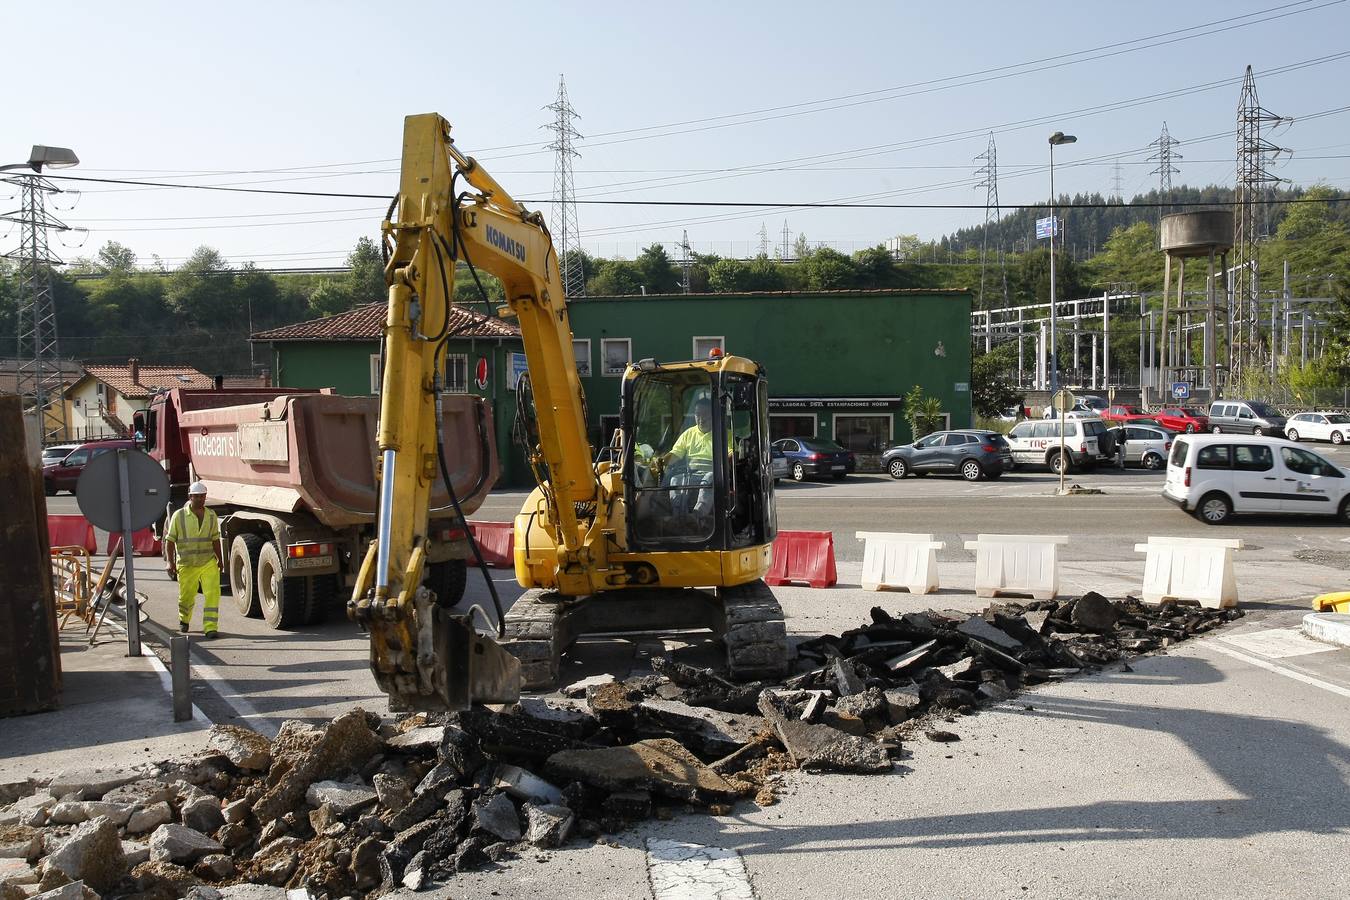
{"type": "Point", "coordinates": [1204, 234]}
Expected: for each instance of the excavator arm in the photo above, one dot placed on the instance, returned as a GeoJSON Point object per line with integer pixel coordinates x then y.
{"type": "Point", "coordinates": [421, 652]}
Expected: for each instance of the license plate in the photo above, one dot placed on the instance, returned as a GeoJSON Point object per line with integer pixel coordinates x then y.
{"type": "Point", "coordinates": [312, 562]}
{"type": "Point", "coordinates": [838, 468]}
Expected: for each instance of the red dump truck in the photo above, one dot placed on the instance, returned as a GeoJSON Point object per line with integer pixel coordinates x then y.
{"type": "Point", "coordinates": [292, 475]}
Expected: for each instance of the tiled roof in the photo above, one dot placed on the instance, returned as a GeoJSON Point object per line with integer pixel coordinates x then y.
{"type": "Point", "coordinates": [151, 379]}
{"type": "Point", "coordinates": [366, 323]}
{"type": "Point", "coordinates": [71, 372]}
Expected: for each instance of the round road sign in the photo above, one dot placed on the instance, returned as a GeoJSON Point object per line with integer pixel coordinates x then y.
{"type": "Point", "coordinates": [99, 492]}
{"type": "Point", "coordinates": [1064, 400]}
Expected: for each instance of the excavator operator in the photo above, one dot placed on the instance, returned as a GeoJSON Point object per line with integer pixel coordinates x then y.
{"type": "Point", "coordinates": [694, 448]}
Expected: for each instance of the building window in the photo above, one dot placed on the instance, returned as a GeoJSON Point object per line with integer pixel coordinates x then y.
{"type": "Point", "coordinates": [581, 349]}
{"type": "Point", "coordinates": [782, 425]}
{"type": "Point", "coordinates": [703, 346]}
{"type": "Point", "coordinates": [618, 353]}
{"type": "Point", "coordinates": [457, 373]}
{"type": "Point", "coordinates": [608, 425]}
{"type": "Point", "coordinates": [376, 373]}
{"type": "Point", "coordinates": [863, 434]}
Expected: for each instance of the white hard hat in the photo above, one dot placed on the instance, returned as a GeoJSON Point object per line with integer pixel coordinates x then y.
{"type": "Point", "coordinates": [197, 487]}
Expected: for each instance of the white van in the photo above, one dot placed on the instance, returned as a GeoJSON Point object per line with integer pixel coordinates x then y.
{"type": "Point", "coordinates": [1215, 476]}
{"type": "Point", "coordinates": [1037, 443]}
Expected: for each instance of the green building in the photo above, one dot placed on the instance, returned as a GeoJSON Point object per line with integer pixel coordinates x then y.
{"type": "Point", "coordinates": [838, 362]}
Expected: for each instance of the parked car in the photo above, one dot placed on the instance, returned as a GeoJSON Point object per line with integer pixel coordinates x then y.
{"type": "Point", "coordinates": [971, 454]}
{"type": "Point", "coordinates": [1318, 426]}
{"type": "Point", "coordinates": [816, 457]}
{"type": "Point", "coordinates": [55, 453]}
{"type": "Point", "coordinates": [1038, 443]}
{"type": "Point", "coordinates": [1188, 419]}
{"type": "Point", "coordinates": [1121, 413]}
{"type": "Point", "coordinates": [1217, 476]}
{"type": "Point", "coordinates": [1144, 444]}
{"type": "Point", "coordinates": [62, 476]}
{"type": "Point", "coordinates": [1087, 406]}
{"type": "Point", "coordinates": [1245, 417]}
{"type": "Point", "coordinates": [779, 464]}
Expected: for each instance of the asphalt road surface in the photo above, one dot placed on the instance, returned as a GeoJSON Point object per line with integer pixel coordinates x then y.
{"type": "Point", "coordinates": [1218, 769]}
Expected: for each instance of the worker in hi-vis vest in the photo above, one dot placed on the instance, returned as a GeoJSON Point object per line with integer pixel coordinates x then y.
{"type": "Point", "coordinates": [194, 556]}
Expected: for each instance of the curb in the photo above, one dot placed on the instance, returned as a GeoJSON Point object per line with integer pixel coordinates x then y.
{"type": "Point", "coordinates": [1330, 628]}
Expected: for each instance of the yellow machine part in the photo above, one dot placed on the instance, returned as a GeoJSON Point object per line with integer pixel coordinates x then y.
{"type": "Point", "coordinates": [1335, 602]}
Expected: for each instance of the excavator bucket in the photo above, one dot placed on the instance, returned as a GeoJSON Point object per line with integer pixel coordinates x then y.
{"type": "Point", "coordinates": [455, 666]}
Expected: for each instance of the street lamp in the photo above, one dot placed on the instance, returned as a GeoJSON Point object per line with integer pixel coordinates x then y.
{"type": "Point", "coordinates": [1056, 140]}
{"type": "Point", "coordinates": [51, 157]}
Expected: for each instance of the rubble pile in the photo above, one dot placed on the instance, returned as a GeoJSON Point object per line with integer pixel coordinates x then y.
{"type": "Point", "coordinates": [361, 806]}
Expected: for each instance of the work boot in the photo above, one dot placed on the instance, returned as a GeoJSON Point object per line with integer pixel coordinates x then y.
{"type": "Point", "coordinates": [183, 627]}
{"type": "Point", "coordinates": [209, 635]}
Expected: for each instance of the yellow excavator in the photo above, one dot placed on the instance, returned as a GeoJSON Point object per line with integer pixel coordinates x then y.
{"type": "Point", "coordinates": [671, 529]}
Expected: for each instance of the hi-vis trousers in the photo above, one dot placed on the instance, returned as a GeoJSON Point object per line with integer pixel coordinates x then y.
{"type": "Point", "coordinates": [207, 577]}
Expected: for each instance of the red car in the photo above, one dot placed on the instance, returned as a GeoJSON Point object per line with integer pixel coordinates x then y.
{"type": "Point", "coordinates": [1183, 418]}
{"type": "Point", "coordinates": [61, 476]}
{"type": "Point", "coordinates": [1121, 414]}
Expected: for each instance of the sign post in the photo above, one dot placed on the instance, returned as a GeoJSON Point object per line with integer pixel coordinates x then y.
{"type": "Point", "coordinates": [1063, 400]}
{"type": "Point", "coordinates": [120, 493]}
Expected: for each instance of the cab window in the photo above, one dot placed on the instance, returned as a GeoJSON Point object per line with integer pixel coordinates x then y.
{"type": "Point", "coordinates": [76, 458]}
{"type": "Point", "coordinates": [1179, 450]}
{"type": "Point", "coordinates": [1024, 430]}
{"type": "Point", "coordinates": [1044, 430]}
{"type": "Point", "coordinates": [1070, 429]}
{"type": "Point", "coordinates": [956, 440]}
{"type": "Point", "coordinates": [1252, 458]}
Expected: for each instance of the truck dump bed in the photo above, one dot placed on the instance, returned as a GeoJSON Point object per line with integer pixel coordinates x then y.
{"type": "Point", "coordinates": [317, 453]}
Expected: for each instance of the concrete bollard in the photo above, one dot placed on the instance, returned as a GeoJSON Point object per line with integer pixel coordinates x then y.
{"type": "Point", "coordinates": [180, 671]}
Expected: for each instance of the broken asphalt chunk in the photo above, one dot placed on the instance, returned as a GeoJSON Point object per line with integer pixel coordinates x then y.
{"type": "Point", "coordinates": [661, 766]}
{"type": "Point", "coordinates": [820, 746]}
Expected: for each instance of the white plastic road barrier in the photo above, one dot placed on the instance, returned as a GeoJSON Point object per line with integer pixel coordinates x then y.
{"type": "Point", "coordinates": [1017, 564]}
{"type": "Point", "coordinates": [1199, 569]}
{"type": "Point", "coordinates": [899, 561]}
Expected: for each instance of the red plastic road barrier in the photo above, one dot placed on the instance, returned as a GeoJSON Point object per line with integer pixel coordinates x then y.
{"type": "Point", "coordinates": [803, 556]}
{"type": "Point", "coordinates": [71, 531]}
{"type": "Point", "coordinates": [497, 540]}
{"type": "Point", "coordinates": [143, 543]}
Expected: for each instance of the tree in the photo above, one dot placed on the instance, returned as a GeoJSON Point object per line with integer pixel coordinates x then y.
{"type": "Point", "coordinates": [924, 412]}
{"type": "Point", "coordinates": [764, 275]}
{"type": "Point", "coordinates": [991, 391]}
{"type": "Point", "coordinates": [114, 257]}
{"type": "Point", "coordinates": [875, 267]}
{"type": "Point", "coordinates": [729, 276]}
{"type": "Point", "coordinates": [1130, 256]}
{"type": "Point", "coordinates": [825, 269]}
{"type": "Point", "coordinates": [365, 276]}
{"type": "Point", "coordinates": [330, 298]}
{"type": "Point", "coordinates": [614, 278]}
{"type": "Point", "coordinates": [656, 272]}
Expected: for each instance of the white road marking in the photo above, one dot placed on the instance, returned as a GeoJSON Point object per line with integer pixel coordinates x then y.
{"type": "Point", "coordinates": [1280, 670]}
{"type": "Point", "coordinates": [258, 721]}
{"type": "Point", "coordinates": [683, 871]}
{"type": "Point", "coordinates": [1276, 643]}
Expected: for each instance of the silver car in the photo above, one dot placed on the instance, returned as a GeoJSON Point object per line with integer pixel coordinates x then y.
{"type": "Point", "coordinates": [1145, 445]}
{"type": "Point", "coordinates": [779, 464]}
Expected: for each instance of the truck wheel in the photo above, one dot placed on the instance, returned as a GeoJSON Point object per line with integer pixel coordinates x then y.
{"type": "Point", "coordinates": [447, 580]}
{"type": "Point", "coordinates": [283, 600]}
{"type": "Point", "coordinates": [320, 595]}
{"type": "Point", "coordinates": [1058, 462]}
{"type": "Point", "coordinates": [244, 552]}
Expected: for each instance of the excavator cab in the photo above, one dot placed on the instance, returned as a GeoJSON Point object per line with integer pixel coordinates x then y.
{"type": "Point", "coordinates": [696, 456]}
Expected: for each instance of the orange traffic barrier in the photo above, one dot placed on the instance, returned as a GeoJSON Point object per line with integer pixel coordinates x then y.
{"type": "Point", "coordinates": [803, 556]}
{"type": "Point", "coordinates": [143, 543]}
{"type": "Point", "coordinates": [497, 540]}
{"type": "Point", "coordinates": [71, 531]}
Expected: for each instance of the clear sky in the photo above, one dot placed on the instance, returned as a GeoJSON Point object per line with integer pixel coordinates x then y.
{"type": "Point", "coordinates": [784, 102]}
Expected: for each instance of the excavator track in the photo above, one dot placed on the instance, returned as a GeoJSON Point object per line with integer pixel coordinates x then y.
{"type": "Point", "coordinates": [535, 636]}
{"type": "Point", "coordinates": [755, 636]}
